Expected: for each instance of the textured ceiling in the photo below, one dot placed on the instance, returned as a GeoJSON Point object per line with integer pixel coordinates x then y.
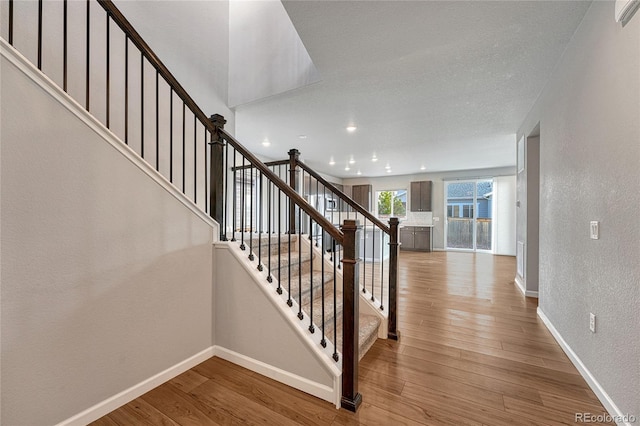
{"type": "Point", "coordinates": [442, 85]}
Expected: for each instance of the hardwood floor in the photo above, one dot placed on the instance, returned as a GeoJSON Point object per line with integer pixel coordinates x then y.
{"type": "Point", "coordinates": [472, 352]}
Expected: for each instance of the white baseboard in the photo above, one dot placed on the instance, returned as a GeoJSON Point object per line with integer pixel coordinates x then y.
{"type": "Point", "coordinates": [316, 389]}
{"type": "Point", "coordinates": [602, 395]}
{"type": "Point", "coordinates": [128, 395]}
{"type": "Point", "coordinates": [520, 284]}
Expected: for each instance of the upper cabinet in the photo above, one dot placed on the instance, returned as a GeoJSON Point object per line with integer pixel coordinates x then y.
{"type": "Point", "coordinates": [421, 196]}
{"type": "Point", "coordinates": [361, 194]}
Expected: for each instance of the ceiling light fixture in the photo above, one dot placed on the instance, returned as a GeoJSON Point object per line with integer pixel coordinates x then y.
{"type": "Point", "coordinates": [358, 172]}
{"type": "Point", "coordinates": [332, 162]}
{"type": "Point", "coordinates": [388, 167]}
{"type": "Point", "coordinates": [266, 142]}
{"type": "Point", "coordinates": [388, 170]}
{"type": "Point", "coordinates": [352, 161]}
{"type": "Point", "coordinates": [347, 168]}
{"type": "Point", "coordinates": [351, 128]}
{"type": "Point", "coordinates": [302, 136]}
{"type": "Point", "coordinates": [423, 168]}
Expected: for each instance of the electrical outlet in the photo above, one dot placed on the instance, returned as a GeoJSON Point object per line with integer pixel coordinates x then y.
{"type": "Point", "coordinates": [594, 230]}
{"type": "Point", "coordinates": [592, 322]}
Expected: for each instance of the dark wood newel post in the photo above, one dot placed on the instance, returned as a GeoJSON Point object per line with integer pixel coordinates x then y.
{"type": "Point", "coordinates": [393, 333]}
{"type": "Point", "coordinates": [351, 398]}
{"type": "Point", "coordinates": [294, 155]}
{"type": "Point", "coordinates": [216, 197]}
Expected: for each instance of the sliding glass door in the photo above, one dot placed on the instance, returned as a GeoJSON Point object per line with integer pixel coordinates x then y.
{"type": "Point", "coordinates": [469, 207]}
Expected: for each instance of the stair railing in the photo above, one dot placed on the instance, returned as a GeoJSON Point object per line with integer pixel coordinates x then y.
{"type": "Point", "coordinates": [378, 249]}
{"type": "Point", "coordinates": [118, 78]}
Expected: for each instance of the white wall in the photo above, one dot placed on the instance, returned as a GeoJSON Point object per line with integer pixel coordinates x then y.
{"type": "Point", "coordinates": [266, 55]}
{"type": "Point", "coordinates": [437, 193]}
{"type": "Point", "coordinates": [590, 170]}
{"type": "Point", "coordinates": [504, 218]}
{"type": "Point", "coordinates": [106, 275]}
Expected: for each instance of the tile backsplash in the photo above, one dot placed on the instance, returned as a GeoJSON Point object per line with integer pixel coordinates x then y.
{"type": "Point", "coordinates": [421, 218]}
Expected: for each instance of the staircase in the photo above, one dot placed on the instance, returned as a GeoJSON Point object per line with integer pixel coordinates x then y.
{"type": "Point", "coordinates": [267, 214]}
{"type": "Point", "coordinates": [300, 271]}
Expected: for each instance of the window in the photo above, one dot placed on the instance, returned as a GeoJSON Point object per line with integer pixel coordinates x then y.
{"type": "Point", "coordinates": [392, 203]}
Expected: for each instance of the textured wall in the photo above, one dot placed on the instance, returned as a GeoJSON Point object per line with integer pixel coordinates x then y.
{"type": "Point", "coordinates": [589, 118]}
{"type": "Point", "coordinates": [106, 277]}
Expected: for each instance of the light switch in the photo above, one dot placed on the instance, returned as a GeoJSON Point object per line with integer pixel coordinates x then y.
{"type": "Point", "coordinates": [595, 230]}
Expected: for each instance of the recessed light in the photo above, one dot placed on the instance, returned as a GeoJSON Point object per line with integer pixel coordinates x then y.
{"type": "Point", "coordinates": [374, 159]}
{"type": "Point", "coordinates": [352, 161]}
{"type": "Point", "coordinates": [302, 136]}
{"type": "Point", "coordinates": [423, 168]}
{"type": "Point", "coordinates": [266, 142]}
{"type": "Point", "coordinates": [388, 167]}
{"type": "Point", "coordinates": [351, 129]}
{"type": "Point", "coordinates": [332, 162]}
{"type": "Point", "coordinates": [388, 170]}
{"type": "Point", "coordinates": [347, 168]}
{"type": "Point", "coordinates": [358, 172]}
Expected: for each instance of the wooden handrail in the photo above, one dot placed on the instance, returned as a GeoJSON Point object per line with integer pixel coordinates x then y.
{"type": "Point", "coordinates": [153, 59]}
{"type": "Point", "coordinates": [344, 197]}
{"type": "Point", "coordinates": [286, 189]}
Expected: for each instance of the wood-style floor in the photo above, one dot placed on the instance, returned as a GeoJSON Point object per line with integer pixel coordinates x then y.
{"type": "Point", "coordinates": [471, 352]}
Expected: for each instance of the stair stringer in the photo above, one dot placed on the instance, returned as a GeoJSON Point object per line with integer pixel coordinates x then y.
{"type": "Point", "coordinates": [255, 328]}
{"type": "Point", "coordinates": [367, 306]}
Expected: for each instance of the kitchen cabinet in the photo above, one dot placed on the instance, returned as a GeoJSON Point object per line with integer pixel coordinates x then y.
{"type": "Point", "coordinates": [416, 238]}
{"type": "Point", "coordinates": [361, 194]}
{"type": "Point", "coordinates": [421, 196]}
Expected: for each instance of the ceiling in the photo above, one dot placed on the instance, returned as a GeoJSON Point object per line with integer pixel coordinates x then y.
{"type": "Point", "coordinates": [430, 85]}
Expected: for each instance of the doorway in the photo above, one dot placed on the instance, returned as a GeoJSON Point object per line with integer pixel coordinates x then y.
{"type": "Point", "coordinates": [469, 215]}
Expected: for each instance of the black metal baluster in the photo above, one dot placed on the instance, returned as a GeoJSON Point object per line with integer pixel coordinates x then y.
{"type": "Point", "coordinates": [171, 136]}
{"type": "Point", "coordinates": [65, 49]}
{"type": "Point", "coordinates": [279, 289]}
{"type": "Point", "coordinates": [158, 124]}
{"type": "Point", "coordinates": [260, 218]}
{"type": "Point", "coordinates": [184, 149]}
{"type": "Point", "coordinates": [323, 341]}
{"type": "Point", "coordinates": [382, 271]}
{"type": "Point", "coordinates": [251, 212]}
{"type": "Point", "coordinates": [242, 206]}
{"type": "Point", "coordinates": [269, 228]}
{"type": "Point", "coordinates": [289, 301]}
{"type": "Point", "coordinates": [40, 34]}
{"type": "Point", "coordinates": [317, 205]}
{"type": "Point", "coordinates": [195, 159]}
{"type": "Point", "coordinates": [88, 67]}
{"type": "Point", "coordinates": [108, 80]}
{"type": "Point", "coordinates": [335, 305]}
{"type": "Point", "coordinates": [235, 197]}
{"type": "Point", "coordinates": [226, 190]}
{"type": "Point", "coordinates": [311, 327]}
{"type": "Point", "coordinates": [11, 21]}
{"type": "Point", "coordinates": [373, 259]}
{"type": "Point", "coordinates": [141, 104]}
{"type": "Point", "coordinates": [364, 255]}
{"type": "Point", "coordinates": [300, 315]}
{"type": "Point", "coordinates": [126, 90]}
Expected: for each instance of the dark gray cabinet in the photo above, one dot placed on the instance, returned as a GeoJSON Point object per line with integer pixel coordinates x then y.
{"type": "Point", "coordinates": [421, 196]}
{"type": "Point", "coordinates": [361, 194]}
{"type": "Point", "coordinates": [416, 238]}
